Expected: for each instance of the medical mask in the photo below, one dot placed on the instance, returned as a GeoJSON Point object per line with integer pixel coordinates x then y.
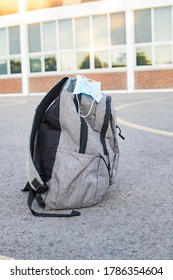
{"type": "Point", "coordinates": [91, 88]}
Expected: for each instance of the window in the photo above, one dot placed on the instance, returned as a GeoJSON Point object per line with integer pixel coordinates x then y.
{"type": "Point", "coordinates": [3, 40]}
{"type": "Point", "coordinates": [65, 34]}
{"type": "Point", "coordinates": [50, 63]}
{"type": "Point", "coordinates": [100, 35]}
{"type": "Point", "coordinates": [3, 66]}
{"type": "Point", "coordinates": [144, 56]}
{"type": "Point", "coordinates": [83, 60]}
{"type": "Point", "coordinates": [118, 33]}
{"type": "Point", "coordinates": [42, 52]}
{"type": "Point", "coordinates": [67, 61]}
{"type": "Point", "coordinates": [101, 59]}
{"type": "Point", "coordinates": [49, 36]}
{"type": "Point", "coordinates": [143, 26]}
{"type": "Point", "coordinates": [77, 44]}
{"type": "Point", "coordinates": [82, 31]}
{"type": "Point", "coordinates": [82, 43]}
{"type": "Point", "coordinates": [118, 38]}
{"type": "Point", "coordinates": [162, 24]}
{"type": "Point", "coordinates": [10, 59]}
{"type": "Point", "coordinates": [118, 58]}
{"type": "Point", "coordinates": [163, 55]}
{"type": "Point", "coordinates": [35, 64]}
{"type": "Point", "coordinates": [15, 65]}
{"type": "Point", "coordinates": [34, 38]}
{"type": "Point", "coordinates": [153, 36]}
{"type": "Point", "coordinates": [14, 40]}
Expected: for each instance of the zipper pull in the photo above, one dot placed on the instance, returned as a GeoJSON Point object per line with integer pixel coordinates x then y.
{"type": "Point", "coordinates": [122, 137]}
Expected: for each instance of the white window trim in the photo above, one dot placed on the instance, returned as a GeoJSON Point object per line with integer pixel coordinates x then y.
{"type": "Point", "coordinates": [153, 44]}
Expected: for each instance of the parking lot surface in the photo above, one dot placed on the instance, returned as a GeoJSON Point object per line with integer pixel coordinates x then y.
{"type": "Point", "coordinates": [135, 218]}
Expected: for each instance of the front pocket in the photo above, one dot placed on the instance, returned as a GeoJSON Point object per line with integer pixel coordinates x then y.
{"type": "Point", "coordinates": [78, 180]}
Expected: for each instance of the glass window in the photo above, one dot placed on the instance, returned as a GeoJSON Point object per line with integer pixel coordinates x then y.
{"type": "Point", "coordinates": [50, 63]}
{"type": "Point", "coordinates": [3, 67]}
{"type": "Point", "coordinates": [100, 31]}
{"type": "Point", "coordinates": [163, 55]}
{"type": "Point", "coordinates": [15, 66]}
{"type": "Point", "coordinates": [162, 24]}
{"type": "Point", "coordinates": [3, 41]}
{"type": "Point", "coordinates": [118, 34]}
{"type": "Point", "coordinates": [82, 32]}
{"type": "Point", "coordinates": [34, 38]}
{"type": "Point", "coordinates": [49, 36]}
{"type": "Point", "coordinates": [144, 56]}
{"type": "Point", "coordinates": [65, 34]}
{"type": "Point", "coordinates": [83, 60]}
{"type": "Point", "coordinates": [67, 61]}
{"type": "Point", "coordinates": [101, 59]}
{"type": "Point", "coordinates": [143, 26]}
{"type": "Point", "coordinates": [35, 64]}
{"type": "Point", "coordinates": [118, 58]}
{"type": "Point", "coordinates": [14, 40]}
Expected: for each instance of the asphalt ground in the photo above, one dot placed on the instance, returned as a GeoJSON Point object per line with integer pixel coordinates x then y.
{"type": "Point", "coordinates": [135, 218]}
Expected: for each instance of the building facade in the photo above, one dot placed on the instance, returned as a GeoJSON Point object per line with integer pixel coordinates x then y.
{"type": "Point", "coordinates": [127, 44]}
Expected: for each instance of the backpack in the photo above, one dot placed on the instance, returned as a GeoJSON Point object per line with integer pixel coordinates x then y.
{"type": "Point", "coordinates": [73, 152]}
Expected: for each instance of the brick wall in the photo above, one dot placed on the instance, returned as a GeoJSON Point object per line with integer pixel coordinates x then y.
{"type": "Point", "coordinates": [13, 85]}
{"type": "Point", "coordinates": [109, 81]}
{"type": "Point", "coordinates": [155, 79]}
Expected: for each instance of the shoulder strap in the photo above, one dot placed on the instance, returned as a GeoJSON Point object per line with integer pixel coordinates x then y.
{"type": "Point", "coordinates": [34, 195]}
{"type": "Point", "coordinates": [36, 186]}
{"type": "Point", "coordinates": [42, 107]}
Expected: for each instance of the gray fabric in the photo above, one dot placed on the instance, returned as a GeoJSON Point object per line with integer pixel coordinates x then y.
{"type": "Point", "coordinates": [81, 180]}
{"type": "Point", "coordinates": [78, 180]}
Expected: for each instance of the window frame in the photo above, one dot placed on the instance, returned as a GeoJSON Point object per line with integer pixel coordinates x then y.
{"type": "Point", "coordinates": [8, 57]}
{"type": "Point", "coordinates": [153, 44]}
{"type": "Point", "coordinates": [75, 50]}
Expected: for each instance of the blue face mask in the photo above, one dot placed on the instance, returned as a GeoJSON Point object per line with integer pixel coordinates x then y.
{"type": "Point", "coordinates": [86, 87]}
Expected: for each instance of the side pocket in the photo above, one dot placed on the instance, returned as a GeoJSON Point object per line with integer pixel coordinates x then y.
{"type": "Point", "coordinates": [74, 180]}
{"type": "Point", "coordinates": [103, 179]}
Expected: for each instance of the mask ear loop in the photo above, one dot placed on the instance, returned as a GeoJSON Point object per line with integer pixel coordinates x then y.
{"type": "Point", "coordinates": [88, 78]}
{"type": "Point", "coordinates": [92, 104]}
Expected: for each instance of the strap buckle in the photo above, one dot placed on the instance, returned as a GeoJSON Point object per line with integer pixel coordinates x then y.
{"type": "Point", "coordinates": [39, 189]}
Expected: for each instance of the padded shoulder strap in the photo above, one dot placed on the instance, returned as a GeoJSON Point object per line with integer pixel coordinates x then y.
{"type": "Point", "coordinates": [42, 107]}
{"type": "Point", "coordinates": [35, 186]}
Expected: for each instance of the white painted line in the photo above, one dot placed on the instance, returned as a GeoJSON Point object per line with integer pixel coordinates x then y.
{"type": "Point", "coordinates": [13, 103]}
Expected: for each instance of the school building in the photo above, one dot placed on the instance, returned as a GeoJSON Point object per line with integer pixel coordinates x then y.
{"type": "Point", "coordinates": [125, 44]}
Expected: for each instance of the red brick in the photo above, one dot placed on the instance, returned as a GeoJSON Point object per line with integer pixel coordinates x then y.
{"type": "Point", "coordinates": [109, 81]}
{"type": "Point", "coordinates": [13, 85]}
{"type": "Point", "coordinates": [154, 79]}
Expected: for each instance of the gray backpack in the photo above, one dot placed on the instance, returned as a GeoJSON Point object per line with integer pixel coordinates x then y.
{"type": "Point", "coordinates": [73, 153]}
